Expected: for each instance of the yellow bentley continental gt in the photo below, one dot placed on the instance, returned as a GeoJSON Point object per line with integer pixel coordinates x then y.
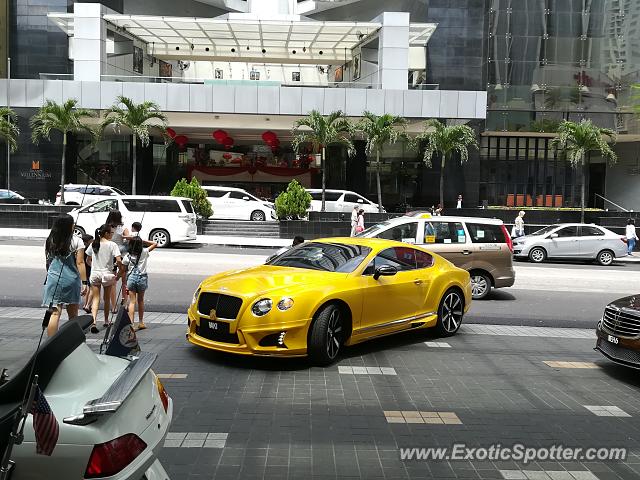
{"type": "Point", "coordinates": [322, 295]}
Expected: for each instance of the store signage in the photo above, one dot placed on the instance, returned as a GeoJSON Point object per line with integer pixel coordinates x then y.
{"type": "Point", "coordinates": [36, 173]}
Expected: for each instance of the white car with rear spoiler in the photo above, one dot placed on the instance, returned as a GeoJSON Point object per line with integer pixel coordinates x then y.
{"type": "Point", "coordinates": [113, 413]}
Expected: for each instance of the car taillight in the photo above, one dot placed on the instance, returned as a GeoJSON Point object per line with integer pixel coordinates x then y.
{"type": "Point", "coordinates": [164, 397]}
{"type": "Point", "coordinates": [110, 458]}
{"type": "Point", "coordinates": [507, 238]}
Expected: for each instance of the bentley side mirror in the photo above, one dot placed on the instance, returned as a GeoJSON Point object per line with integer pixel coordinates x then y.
{"type": "Point", "coordinates": [91, 210]}
{"type": "Point", "coordinates": [384, 271]}
{"type": "Point", "coordinates": [553, 235]}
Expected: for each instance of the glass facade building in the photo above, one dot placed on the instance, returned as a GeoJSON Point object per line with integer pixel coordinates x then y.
{"type": "Point", "coordinates": [549, 61]}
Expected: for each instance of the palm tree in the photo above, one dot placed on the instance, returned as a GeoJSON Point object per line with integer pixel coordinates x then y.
{"type": "Point", "coordinates": [9, 130]}
{"type": "Point", "coordinates": [379, 131]}
{"type": "Point", "coordinates": [446, 140]}
{"type": "Point", "coordinates": [576, 140]}
{"type": "Point", "coordinates": [321, 131]}
{"type": "Point", "coordinates": [136, 117]}
{"type": "Point", "coordinates": [65, 118]}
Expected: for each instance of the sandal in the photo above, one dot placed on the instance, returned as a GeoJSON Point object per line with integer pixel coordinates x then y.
{"type": "Point", "coordinates": [86, 309]}
{"type": "Point", "coordinates": [94, 328]}
{"type": "Point", "coordinates": [141, 326]}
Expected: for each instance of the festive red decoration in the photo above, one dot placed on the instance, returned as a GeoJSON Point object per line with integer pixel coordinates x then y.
{"type": "Point", "coordinates": [228, 142]}
{"type": "Point", "coordinates": [171, 132]}
{"type": "Point", "coordinates": [227, 156]}
{"type": "Point", "coordinates": [236, 160]}
{"type": "Point", "coordinates": [220, 135]}
{"type": "Point", "coordinates": [181, 140]}
{"type": "Point", "coordinates": [269, 136]}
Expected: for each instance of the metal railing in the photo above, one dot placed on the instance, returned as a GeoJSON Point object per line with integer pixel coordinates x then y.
{"type": "Point", "coordinates": [597, 195]}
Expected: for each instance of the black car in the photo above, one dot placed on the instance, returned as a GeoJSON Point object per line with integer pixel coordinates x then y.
{"type": "Point", "coordinates": [9, 196]}
{"type": "Point", "coordinates": [619, 331]}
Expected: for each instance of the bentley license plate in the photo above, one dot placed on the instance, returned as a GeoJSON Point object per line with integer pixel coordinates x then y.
{"type": "Point", "coordinates": [612, 339]}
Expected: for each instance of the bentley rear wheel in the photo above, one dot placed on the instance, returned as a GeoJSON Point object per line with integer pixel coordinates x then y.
{"type": "Point", "coordinates": [326, 336]}
{"type": "Point", "coordinates": [450, 313]}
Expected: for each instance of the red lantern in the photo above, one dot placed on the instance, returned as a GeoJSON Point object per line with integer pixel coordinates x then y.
{"type": "Point", "coordinates": [181, 140]}
{"type": "Point", "coordinates": [219, 135]}
{"type": "Point", "coordinates": [171, 132]}
{"type": "Point", "coordinates": [228, 142]}
{"type": "Point", "coordinates": [269, 136]}
{"type": "Point", "coordinates": [227, 156]}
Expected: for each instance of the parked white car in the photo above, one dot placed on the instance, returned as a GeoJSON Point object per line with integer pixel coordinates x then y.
{"type": "Point", "coordinates": [76, 194]}
{"type": "Point", "coordinates": [238, 204]}
{"type": "Point", "coordinates": [340, 201]}
{"type": "Point", "coordinates": [165, 220]}
{"type": "Point", "coordinates": [571, 241]}
{"type": "Point", "coordinates": [113, 413]}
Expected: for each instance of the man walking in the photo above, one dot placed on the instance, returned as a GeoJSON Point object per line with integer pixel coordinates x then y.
{"type": "Point", "coordinates": [631, 236]}
{"type": "Point", "coordinates": [518, 227]}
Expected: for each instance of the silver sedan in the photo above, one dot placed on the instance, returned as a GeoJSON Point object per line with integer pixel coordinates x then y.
{"type": "Point", "coordinates": [571, 241]}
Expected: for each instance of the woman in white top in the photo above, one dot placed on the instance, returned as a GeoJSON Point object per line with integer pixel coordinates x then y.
{"type": "Point", "coordinates": [120, 234]}
{"type": "Point", "coordinates": [518, 225]}
{"type": "Point", "coordinates": [631, 236]}
{"type": "Point", "coordinates": [137, 278]}
{"type": "Point", "coordinates": [360, 226]}
{"type": "Point", "coordinates": [354, 220]}
{"type": "Point", "coordinates": [102, 254]}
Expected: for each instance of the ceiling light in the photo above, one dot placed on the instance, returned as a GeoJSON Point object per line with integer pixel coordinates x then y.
{"type": "Point", "coordinates": [294, 52]}
{"type": "Point", "coordinates": [177, 48]}
{"type": "Point", "coordinates": [233, 50]}
{"type": "Point", "coordinates": [264, 50]}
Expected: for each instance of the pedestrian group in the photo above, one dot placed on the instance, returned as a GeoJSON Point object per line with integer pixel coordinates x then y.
{"type": "Point", "coordinates": [78, 269]}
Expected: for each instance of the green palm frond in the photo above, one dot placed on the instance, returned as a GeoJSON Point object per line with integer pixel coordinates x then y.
{"type": "Point", "coordinates": [321, 131]}
{"type": "Point", "coordinates": [65, 118]}
{"type": "Point", "coordinates": [9, 130]}
{"type": "Point", "coordinates": [576, 140]}
{"type": "Point", "coordinates": [138, 117]}
{"type": "Point", "coordinates": [380, 130]}
{"type": "Point", "coordinates": [445, 140]}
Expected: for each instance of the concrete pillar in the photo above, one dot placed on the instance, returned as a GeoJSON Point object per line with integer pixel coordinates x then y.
{"type": "Point", "coordinates": [393, 53]}
{"type": "Point", "coordinates": [89, 41]}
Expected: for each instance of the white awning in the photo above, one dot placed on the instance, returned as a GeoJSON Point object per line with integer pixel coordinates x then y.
{"type": "Point", "coordinates": [293, 40]}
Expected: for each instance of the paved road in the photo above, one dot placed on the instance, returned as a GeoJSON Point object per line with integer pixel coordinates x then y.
{"type": "Point", "coordinates": [261, 418]}
{"type": "Point", "coordinates": [547, 295]}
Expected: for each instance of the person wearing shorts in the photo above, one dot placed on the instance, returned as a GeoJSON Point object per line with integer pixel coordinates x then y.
{"type": "Point", "coordinates": [137, 277]}
{"type": "Point", "coordinates": [102, 254]}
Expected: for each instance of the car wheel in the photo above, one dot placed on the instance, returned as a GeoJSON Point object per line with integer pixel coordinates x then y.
{"type": "Point", "coordinates": [258, 216]}
{"type": "Point", "coordinates": [605, 257]}
{"type": "Point", "coordinates": [78, 231]}
{"type": "Point", "coordinates": [161, 237]}
{"type": "Point", "coordinates": [326, 336]}
{"type": "Point", "coordinates": [480, 285]}
{"type": "Point", "coordinates": [450, 313]}
{"type": "Point", "coordinates": [537, 255]}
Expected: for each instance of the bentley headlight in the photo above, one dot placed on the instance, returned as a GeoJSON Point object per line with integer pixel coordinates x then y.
{"type": "Point", "coordinates": [285, 304]}
{"type": "Point", "coordinates": [195, 296]}
{"type": "Point", "coordinates": [262, 307]}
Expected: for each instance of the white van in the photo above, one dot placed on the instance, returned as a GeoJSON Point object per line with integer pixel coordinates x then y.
{"type": "Point", "coordinates": [340, 201]}
{"type": "Point", "coordinates": [238, 204]}
{"type": "Point", "coordinates": [75, 194]}
{"type": "Point", "coordinates": [165, 220]}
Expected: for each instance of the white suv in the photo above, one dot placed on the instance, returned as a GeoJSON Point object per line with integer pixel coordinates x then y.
{"type": "Point", "coordinates": [237, 204]}
{"type": "Point", "coordinates": [76, 194]}
{"type": "Point", "coordinates": [340, 201]}
{"type": "Point", "coordinates": [165, 220]}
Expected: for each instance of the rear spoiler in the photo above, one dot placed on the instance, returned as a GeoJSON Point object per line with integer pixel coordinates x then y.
{"type": "Point", "coordinates": [117, 393]}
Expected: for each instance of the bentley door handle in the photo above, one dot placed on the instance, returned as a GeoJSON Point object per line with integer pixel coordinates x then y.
{"type": "Point", "coordinates": [466, 252]}
{"type": "Point", "coordinates": [417, 281]}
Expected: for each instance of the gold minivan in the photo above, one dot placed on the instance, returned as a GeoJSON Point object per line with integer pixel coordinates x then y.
{"type": "Point", "coordinates": [482, 246]}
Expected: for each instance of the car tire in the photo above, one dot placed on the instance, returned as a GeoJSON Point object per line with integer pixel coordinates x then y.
{"type": "Point", "coordinates": [537, 255]}
{"type": "Point", "coordinates": [605, 258]}
{"type": "Point", "coordinates": [258, 216]}
{"type": "Point", "coordinates": [78, 231]}
{"type": "Point", "coordinates": [161, 237]}
{"type": "Point", "coordinates": [480, 285]}
{"type": "Point", "coordinates": [326, 336]}
{"type": "Point", "coordinates": [450, 313]}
